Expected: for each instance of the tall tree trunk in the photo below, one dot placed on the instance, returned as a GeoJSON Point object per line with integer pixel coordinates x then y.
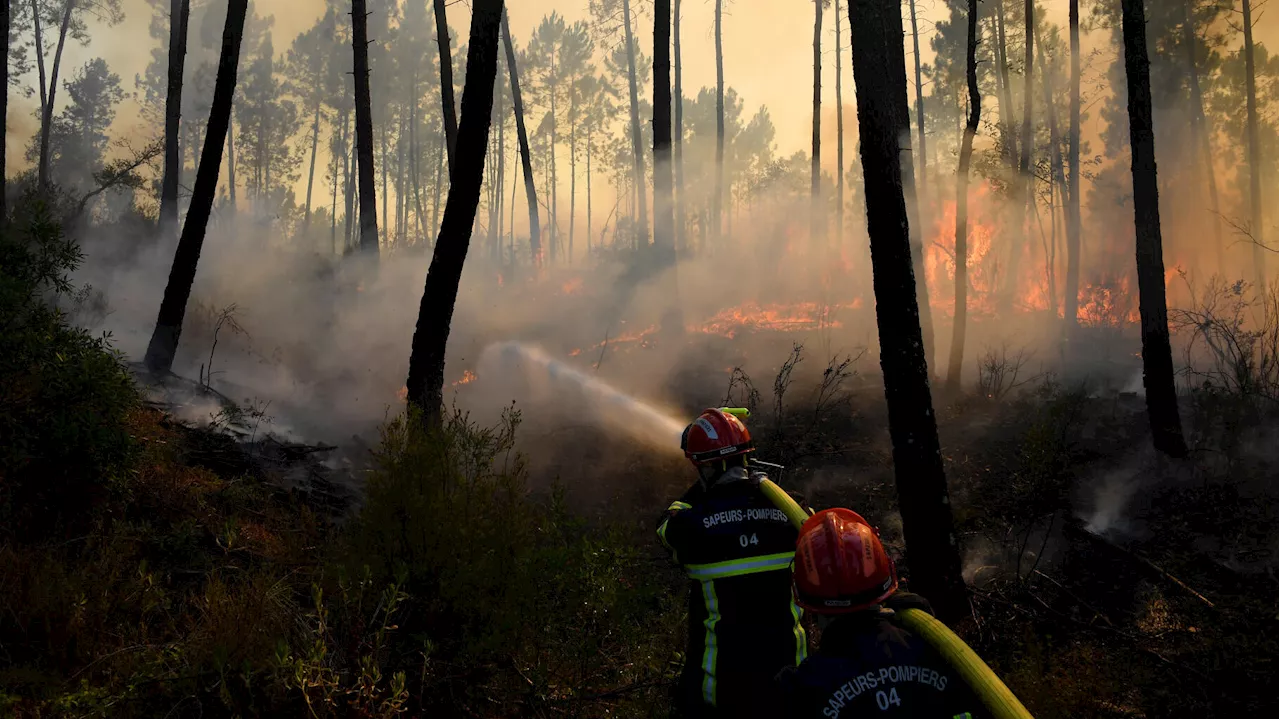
{"type": "Point", "coordinates": [4, 112]}
{"type": "Point", "coordinates": [435, 313]}
{"type": "Point", "coordinates": [501, 178]}
{"type": "Point", "coordinates": [663, 204]}
{"type": "Point", "coordinates": [1024, 184]}
{"type": "Point", "coordinates": [333, 205]}
{"type": "Point", "coordinates": [39, 41]}
{"type": "Point", "coordinates": [1157, 358]}
{"type": "Point", "coordinates": [311, 168]}
{"type": "Point", "coordinates": [573, 169]}
{"type": "Point", "coordinates": [1009, 141]}
{"type": "Point", "coordinates": [435, 203]}
{"type": "Point", "coordinates": [879, 76]}
{"type": "Point", "coordinates": [1071, 299]}
{"type": "Point", "coordinates": [924, 156]}
{"type": "Point", "coordinates": [1261, 267]}
{"type": "Point", "coordinates": [349, 180]}
{"type": "Point", "coordinates": [386, 220]}
{"type": "Point", "coordinates": [816, 215]}
{"type": "Point", "coordinates": [531, 195]}
{"type": "Point", "coordinates": [511, 217]}
{"type": "Point", "coordinates": [637, 145]}
{"type": "Point", "coordinates": [446, 80]}
{"type": "Point", "coordinates": [915, 234]}
{"type": "Point", "coordinates": [839, 140]}
{"type": "Point", "coordinates": [1056, 178]}
{"type": "Point", "coordinates": [956, 361]}
{"type": "Point", "coordinates": [364, 129]}
{"type": "Point", "coordinates": [231, 159]}
{"type": "Point", "coordinates": [718, 195]}
{"type": "Point", "coordinates": [164, 340]}
{"type": "Point", "coordinates": [553, 186]}
{"type": "Point", "coordinates": [589, 149]}
{"type": "Point", "coordinates": [415, 166]}
{"type": "Point", "coordinates": [402, 184]}
{"type": "Point", "coordinates": [1200, 128]}
{"type": "Point", "coordinates": [677, 139]}
{"type": "Point", "coordinates": [179, 12]}
{"type": "Point", "coordinates": [46, 122]}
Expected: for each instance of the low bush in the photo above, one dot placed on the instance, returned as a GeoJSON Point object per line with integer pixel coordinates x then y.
{"type": "Point", "coordinates": [64, 395]}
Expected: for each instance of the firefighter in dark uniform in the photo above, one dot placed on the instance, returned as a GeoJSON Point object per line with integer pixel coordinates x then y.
{"type": "Point", "coordinates": [737, 549]}
{"type": "Point", "coordinates": [868, 665]}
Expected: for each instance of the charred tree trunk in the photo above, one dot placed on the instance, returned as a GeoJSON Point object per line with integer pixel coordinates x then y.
{"type": "Point", "coordinates": [164, 340]}
{"type": "Point", "coordinates": [179, 11]}
{"type": "Point", "coordinates": [1200, 128]}
{"type": "Point", "coordinates": [435, 313]}
{"type": "Point", "coordinates": [1259, 239]}
{"type": "Point", "coordinates": [311, 168]}
{"type": "Point", "coordinates": [664, 243]}
{"type": "Point", "coordinates": [364, 129]}
{"type": "Point", "coordinates": [46, 120]}
{"type": "Point", "coordinates": [718, 191]}
{"type": "Point", "coordinates": [446, 81]}
{"type": "Point", "coordinates": [924, 156]}
{"type": "Point", "coordinates": [879, 77]}
{"type": "Point", "coordinates": [839, 140]}
{"type": "Point", "coordinates": [526, 164]}
{"type": "Point", "coordinates": [637, 145]}
{"type": "Point", "coordinates": [677, 138]}
{"type": "Point", "coordinates": [956, 362]}
{"type": "Point", "coordinates": [815, 156]}
{"type": "Point", "coordinates": [1157, 358]}
{"type": "Point", "coordinates": [1071, 298]}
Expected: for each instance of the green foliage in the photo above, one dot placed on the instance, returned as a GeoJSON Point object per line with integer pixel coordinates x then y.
{"type": "Point", "coordinates": [512, 600]}
{"type": "Point", "coordinates": [63, 393]}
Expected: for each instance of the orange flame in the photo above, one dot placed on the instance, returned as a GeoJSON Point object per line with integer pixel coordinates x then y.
{"type": "Point", "coordinates": [572, 287]}
{"type": "Point", "coordinates": [467, 378]}
{"type": "Point", "coordinates": [774, 317]}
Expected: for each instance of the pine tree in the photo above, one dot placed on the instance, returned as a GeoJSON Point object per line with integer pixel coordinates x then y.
{"type": "Point", "coordinates": [164, 340]}
{"type": "Point", "coordinates": [879, 75]}
{"type": "Point", "coordinates": [425, 384]}
{"type": "Point", "coordinates": [1157, 357]}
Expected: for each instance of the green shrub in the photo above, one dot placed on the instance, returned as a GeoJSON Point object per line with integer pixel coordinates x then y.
{"type": "Point", "coordinates": [510, 601]}
{"type": "Point", "coordinates": [64, 395]}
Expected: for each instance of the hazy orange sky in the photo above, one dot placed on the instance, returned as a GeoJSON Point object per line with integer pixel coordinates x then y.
{"type": "Point", "coordinates": [767, 46]}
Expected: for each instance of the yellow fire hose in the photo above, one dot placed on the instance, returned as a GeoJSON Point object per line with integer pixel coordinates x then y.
{"type": "Point", "coordinates": [994, 694]}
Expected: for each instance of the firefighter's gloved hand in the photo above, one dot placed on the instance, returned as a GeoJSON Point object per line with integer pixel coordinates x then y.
{"type": "Point", "coordinates": [755, 477]}
{"type": "Point", "coordinates": [907, 600]}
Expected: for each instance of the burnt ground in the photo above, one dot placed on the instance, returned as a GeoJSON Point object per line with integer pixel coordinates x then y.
{"type": "Point", "coordinates": [1106, 580]}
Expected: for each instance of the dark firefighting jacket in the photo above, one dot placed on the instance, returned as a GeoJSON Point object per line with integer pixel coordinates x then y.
{"type": "Point", "coordinates": [743, 625]}
{"type": "Point", "coordinates": [870, 666]}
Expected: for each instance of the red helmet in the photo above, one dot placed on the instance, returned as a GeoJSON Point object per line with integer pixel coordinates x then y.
{"type": "Point", "coordinates": [840, 564]}
{"type": "Point", "coordinates": [713, 436]}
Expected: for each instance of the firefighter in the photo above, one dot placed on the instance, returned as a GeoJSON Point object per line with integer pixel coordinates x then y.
{"type": "Point", "coordinates": [737, 549]}
{"type": "Point", "coordinates": [867, 664]}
